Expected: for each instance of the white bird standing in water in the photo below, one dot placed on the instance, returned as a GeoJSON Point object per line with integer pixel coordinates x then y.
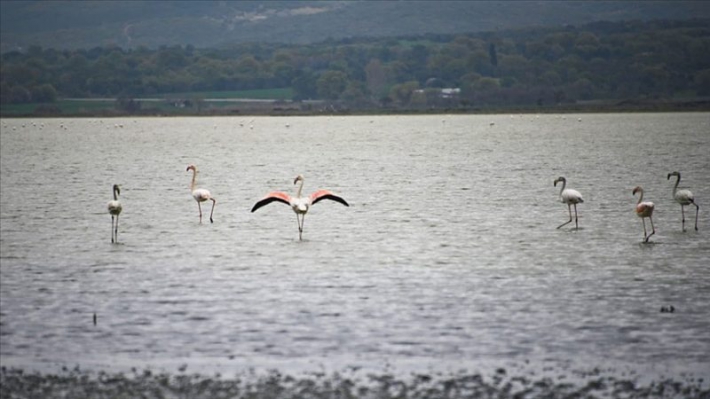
{"type": "Point", "coordinates": [200, 194]}
{"type": "Point", "coordinates": [300, 205]}
{"type": "Point", "coordinates": [569, 197]}
{"type": "Point", "coordinates": [644, 210]}
{"type": "Point", "coordinates": [115, 208]}
{"type": "Point", "coordinates": [684, 197]}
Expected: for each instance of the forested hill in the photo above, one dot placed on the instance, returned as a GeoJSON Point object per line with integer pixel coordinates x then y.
{"type": "Point", "coordinates": [603, 60]}
{"type": "Point", "coordinates": [131, 24]}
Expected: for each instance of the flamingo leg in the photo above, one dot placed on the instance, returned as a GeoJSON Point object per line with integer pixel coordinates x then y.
{"type": "Point", "coordinates": [643, 220]}
{"type": "Point", "coordinates": [576, 224]}
{"type": "Point", "coordinates": [116, 231]}
{"type": "Point", "coordinates": [214, 202]}
{"type": "Point", "coordinates": [653, 229]}
{"type": "Point", "coordinates": [112, 229]}
{"type": "Point", "coordinates": [697, 209]}
{"type": "Point", "coordinates": [303, 222]}
{"type": "Point", "coordinates": [569, 208]}
{"type": "Point", "coordinates": [199, 207]}
{"type": "Point", "coordinates": [300, 228]}
{"type": "Point", "coordinates": [682, 213]}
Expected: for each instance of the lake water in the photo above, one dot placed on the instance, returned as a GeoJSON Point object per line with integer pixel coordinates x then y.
{"type": "Point", "coordinates": [448, 256]}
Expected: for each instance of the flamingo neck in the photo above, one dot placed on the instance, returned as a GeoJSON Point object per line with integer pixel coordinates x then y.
{"type": "Point", "coordinates": [115, 194]}
{"type": "Point", "coordinates": [564, 183]}
{"type": "Point", "coordinates": [640, 196]}
{"type": "Point", "coordinates": [300, 187]}
{"type": "Point", "coordinates": [675, 188]}
{"type": "Point", "coordinates": [194, 178]}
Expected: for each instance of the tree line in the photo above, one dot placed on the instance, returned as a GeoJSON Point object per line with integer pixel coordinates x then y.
{"type": "Point", "coordinates": [603, 60]}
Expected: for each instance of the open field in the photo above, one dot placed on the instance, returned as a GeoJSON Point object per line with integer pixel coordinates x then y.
{"type": "Point", "coordinates": [189, 103]}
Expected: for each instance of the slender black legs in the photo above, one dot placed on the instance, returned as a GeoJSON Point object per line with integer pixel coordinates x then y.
{"type": "Point", "coordinates": [576, 224]}
{"type": "Point", "coordinates": [653, 229]}
{"type": "Point", "coordinates": [682, 212]}
{"type": "Point", "coordinates": [114, 228]}
{"type": "Point", "coordinates": [301, 220]}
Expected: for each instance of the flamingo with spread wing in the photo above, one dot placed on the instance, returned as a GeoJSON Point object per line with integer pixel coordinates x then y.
{"type": "Point", "coordinates": [300, 205]}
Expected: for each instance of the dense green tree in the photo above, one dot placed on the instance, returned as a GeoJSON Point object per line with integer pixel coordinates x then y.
{"type": "Point", "coordinates": [376, 78]}
{"type": "Point", "coordinates": [486, 84]}
{"type": "Point", "coordinates": [354, 94]}
{"type": "Point", "coordinates": [402, 93]}
{"type": "Point", "coordinates": [19, 95]}
{"type": "Point", "coordinates": [331, 84]}
{"type": "Point", "coordinates": [537, 65]}
{"type": "Point", "coordinates": [304, 86]}
{"type": "Point", "coordinates": [171, 58]}
{"type": "Point", "coordinates": [45, 93]}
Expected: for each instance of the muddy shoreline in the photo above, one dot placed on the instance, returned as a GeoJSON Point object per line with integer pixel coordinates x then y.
{"type": "Point", "coordinates": [265, 108]}
{"type": "Point", "coordinates": [499, 383]}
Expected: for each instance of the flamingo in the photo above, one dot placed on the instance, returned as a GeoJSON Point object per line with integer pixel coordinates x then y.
{"type": "Point", "coordinates": [300, 205]}
{"type": "Point", "coordinates": [569, 197]}
{"type": "Point", "coordinates": [200, 194]}
{"type": "Point", "coordinates": [684, 197]}
{"type": "Point", "coordinates": [644, 210]}
{"type": "Point", "coordinates": [115, 208]}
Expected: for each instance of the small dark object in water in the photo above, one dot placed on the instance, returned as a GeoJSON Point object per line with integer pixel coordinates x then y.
{"type": "Point", "coordinates": [94, 318]}
{"type": "Point", "coordinates": [667, 309]}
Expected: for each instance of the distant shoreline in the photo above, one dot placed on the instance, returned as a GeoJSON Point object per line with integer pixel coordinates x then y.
{"type": "Point", "coordinates": [148, 107]}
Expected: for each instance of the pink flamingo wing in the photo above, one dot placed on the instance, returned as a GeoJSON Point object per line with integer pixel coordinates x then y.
{"type": "Point", "coordinates": [644, 208]}
{"type": "Point", "coordinates": [271, 197]}
{"type": "Point", "coordinates": [326, 194]}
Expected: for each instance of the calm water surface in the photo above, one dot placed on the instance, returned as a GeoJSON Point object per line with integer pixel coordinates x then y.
{"type": "Point", "coordinates": [447, 257]}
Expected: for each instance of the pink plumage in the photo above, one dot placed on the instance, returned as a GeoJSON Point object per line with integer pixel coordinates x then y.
{"type": "Point", "coordinates": [300, 205]}
{"type": "Point", "coordinates": [644, 210]}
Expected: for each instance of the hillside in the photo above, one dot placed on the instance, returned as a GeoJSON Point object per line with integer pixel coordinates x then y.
{"type": "Point", "coordinates": [130, 24]}
{"type": "Point", "coordinates": [629, 63]}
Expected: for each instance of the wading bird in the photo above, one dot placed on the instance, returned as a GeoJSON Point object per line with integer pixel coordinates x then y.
{"type": "Point", "coordinates": [200, 194]}
{"type": "Point", "coordinates": [300, 205]}
{"type": "Point", "coordinates": [115, 208]}
{"type": "Point", "coordinates": [569, 197]}
{"type": "Point", "coordinates": [684, 197]}
{"type": "Point", "coordinates": [644, 210]}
